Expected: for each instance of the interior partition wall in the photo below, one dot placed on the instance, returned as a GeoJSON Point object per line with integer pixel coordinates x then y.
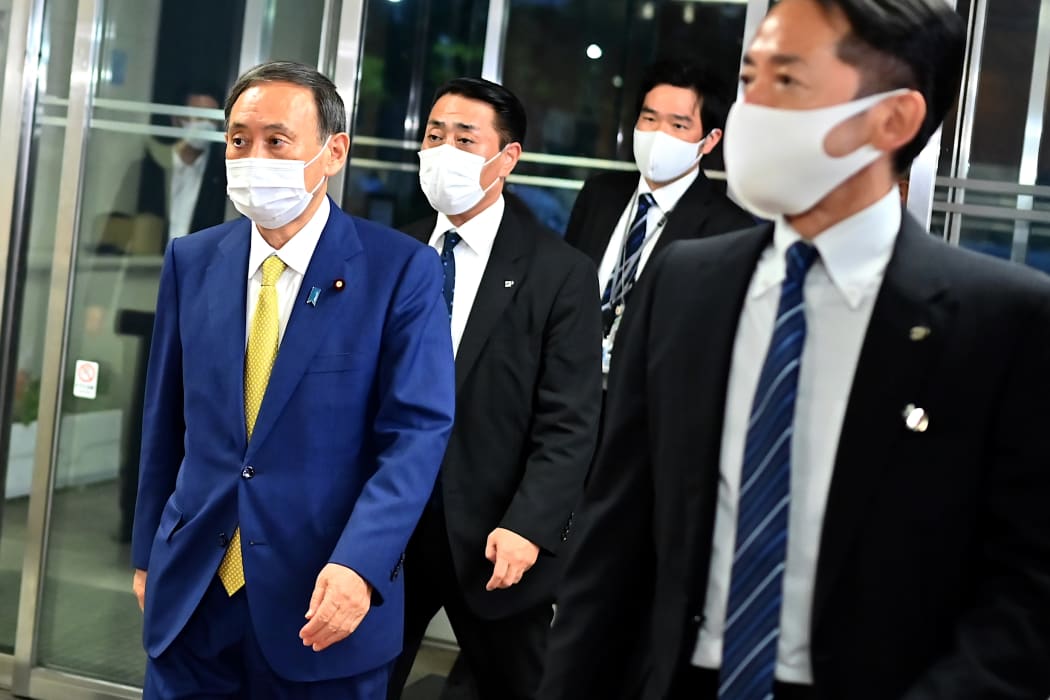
{"type": "Point", "coordinates": [93, 98]}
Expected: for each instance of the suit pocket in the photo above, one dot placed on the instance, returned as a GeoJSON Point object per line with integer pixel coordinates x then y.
{"type": "Point", "coordinates": [170, 520]}
{"type": "Point", "coordinates": [342, 362]}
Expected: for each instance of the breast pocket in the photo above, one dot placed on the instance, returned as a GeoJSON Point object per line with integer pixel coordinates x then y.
{"type": "Point", "coordinates": [342, 362]}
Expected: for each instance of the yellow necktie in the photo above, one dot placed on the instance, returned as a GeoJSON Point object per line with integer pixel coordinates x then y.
{"type": "Point", "coordinates": [258, 361]}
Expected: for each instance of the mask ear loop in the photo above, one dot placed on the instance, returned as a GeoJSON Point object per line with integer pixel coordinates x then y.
{"type": "Point", "coordinates": [310, 162]}
{"type": "Point", "coordinates": [485, 190]}
{"type": "Point", "coordinates": [700, 149]}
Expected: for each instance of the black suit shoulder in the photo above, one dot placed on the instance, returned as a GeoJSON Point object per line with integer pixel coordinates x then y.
{"type": "Point", "coordinates": [612, 181]}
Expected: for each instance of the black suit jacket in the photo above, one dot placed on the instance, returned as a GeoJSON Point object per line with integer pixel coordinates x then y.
{"type": "Point", "coordinates": [528, 392]}
{"type": "Point", "coordinates": [154, 187]}
{"type": "Point", "coordinates": [702, 211]}
{"type": "Point", "coordinates": [933, 580]}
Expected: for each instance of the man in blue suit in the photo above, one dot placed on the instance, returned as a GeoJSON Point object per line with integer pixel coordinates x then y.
{"type": "Point", "coordinates": [299, 398]}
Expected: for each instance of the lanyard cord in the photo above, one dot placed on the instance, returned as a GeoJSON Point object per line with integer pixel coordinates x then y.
{"type": "Point", "coordinates": [623, 274]}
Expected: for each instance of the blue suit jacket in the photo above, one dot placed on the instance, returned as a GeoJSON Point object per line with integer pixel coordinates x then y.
{"type": "Point", "coordinates": [346, 446]}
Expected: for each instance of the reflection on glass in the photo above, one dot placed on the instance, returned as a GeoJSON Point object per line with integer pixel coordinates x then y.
{"type": "Point", "coordinates": [410, 49]}
{"type": "Point", "coordinates": [154, 171]}
{"type": "Point", "coordinates": [1002, 99]}
{"type": "Point", "coordinates": [990, 236]}
{"type": "Point", "coordinates": [53, 81]}
{"type": "Point", "coordinates": [296, 31]}
{"type": "Point", "coordinates": [1039, 247]}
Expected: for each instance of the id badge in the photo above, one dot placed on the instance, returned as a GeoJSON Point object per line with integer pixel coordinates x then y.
{"type": "Point", "coordinates": [610, 340]}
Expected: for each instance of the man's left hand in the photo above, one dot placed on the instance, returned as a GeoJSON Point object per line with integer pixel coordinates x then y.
{"type": "Point", "coordinates": [512, 556]}
{"type": "Point", "coordinates": [340, 601]}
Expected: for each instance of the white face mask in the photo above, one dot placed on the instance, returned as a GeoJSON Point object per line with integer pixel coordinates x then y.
{"type": "Point", "coordinates": [775, 158]}
{"type": "Point", "coordinates": [270, 191]}
{"type": "Point", "coordinates": [199, 143]}
{"type": "Point", "coordinates": [661, 157]}
{"type": "Point", "coordinates": [451, 178]}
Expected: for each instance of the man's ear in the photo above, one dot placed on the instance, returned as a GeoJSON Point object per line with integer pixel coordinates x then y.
{"type": "Point", "coordinates": [713, 137]}
{"type": "Point", "coordinates": [897, 120]}
{"type": "Point", "coordinates": [338, 149]}
{"type": "Point", "coordinates": [509, 158]}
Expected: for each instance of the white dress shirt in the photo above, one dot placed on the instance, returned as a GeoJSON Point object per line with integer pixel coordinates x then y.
{"type": "Point", "coordinates": [666, 198]}
{"type": "Point", "coordinates": [296, 254]}
{"type": "Point", "coordinates": [471, 255]}
{"type": "Point", "coordinates": [185, 187]}
{"type": "Point", "coordinates": [839, 294]}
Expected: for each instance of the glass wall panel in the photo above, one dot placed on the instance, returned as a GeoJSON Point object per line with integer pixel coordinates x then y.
{"type": "Point", "coordinates": [295, 30]}
{"type": "Point", "coordinates": [1009, 66]}
{"type": "Point", "coordinates": [410, 48]}
{"type": "Point", "coordinates": [1002, 98]}
{"type": "Point", "coordinates": [32, 273]}
{"type": "Point", "coordinates": [153, 170]}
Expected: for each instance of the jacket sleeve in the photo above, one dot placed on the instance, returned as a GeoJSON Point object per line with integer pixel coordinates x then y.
{"type": "Point", "coordinates": [416, 389]}
{"type": "Point", "coordinates": [567, 405]}
{"type": "Point", "coordinates": [1002, 643]}
{"type": "Point", "coordinates": [602, 609]}
{"type": "Point", "coordinates": [163, 423]}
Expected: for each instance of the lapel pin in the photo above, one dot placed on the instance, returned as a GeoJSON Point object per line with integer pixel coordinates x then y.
{"type": "Point", "coordinates": [507, 284]}
{"type": "Point", "coordinates": [918, 333]}
{"type": "Point", "coordinates": [338, 285]}
{"type": "Point", "coordinates": [315, 293]}
{"type": "Point", "coordinates": [916, 419]}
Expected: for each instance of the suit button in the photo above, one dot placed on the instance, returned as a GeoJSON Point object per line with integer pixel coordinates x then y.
{"type": "Point", "coordinates": [223, 540]}
{"type": "Point", "coordinates": [248, 472]}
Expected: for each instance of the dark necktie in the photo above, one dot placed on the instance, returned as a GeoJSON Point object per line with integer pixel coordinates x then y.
{"type": "Point", "coordinates": [749, 645]}
{"type": "Point", "coordinates": [448, 262]}
{"type": "Point", "coordinates": [625, 271]}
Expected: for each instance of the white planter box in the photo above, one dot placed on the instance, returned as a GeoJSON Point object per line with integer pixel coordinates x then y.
{"type": "Point", "coordinates": [89, 451]}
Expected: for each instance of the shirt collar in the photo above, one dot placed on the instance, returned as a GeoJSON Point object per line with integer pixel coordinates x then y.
{"type": "Point", "coordinates": [296, 253]}
{"type": "Point", "coordinates": [855, 251]}
{"type": "Point", "coordinates": [667, 196]}
{"type": "Point", "coordinates": [479, 233]}
{"type": "Point", "coordinates": [181, 165]}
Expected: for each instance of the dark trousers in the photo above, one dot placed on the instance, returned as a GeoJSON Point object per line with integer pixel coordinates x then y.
{"type": "Point", "coordinates": [217, 657]}
{"type": "Point", "coordinates": [692, 683]}
{"type": "Point", "coordinates": [504, 657]}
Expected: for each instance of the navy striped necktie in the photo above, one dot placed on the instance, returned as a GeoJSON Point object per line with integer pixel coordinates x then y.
{"type": "Point", "coordinates": [626, 268]}
{"type": "Point", "coordinates": [749, 645]}
{"type": "Point", "coordinates": [448, 263]}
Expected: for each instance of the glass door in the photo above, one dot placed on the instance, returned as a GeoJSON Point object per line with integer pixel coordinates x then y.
{"type": "Point", "coordinates": [127, 152]}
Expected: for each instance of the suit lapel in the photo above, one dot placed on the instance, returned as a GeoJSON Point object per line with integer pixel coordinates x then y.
{"type": "Point", "coordinates": [226, 281]}
{"type": "Point", "coordinates": [504, 274]}
{"type": "Point", "coordinates": [336, 257]}
{"type": "Point", "coordinates": [890, 375]}
{"type": "Point", "coordinates": [689, 214]}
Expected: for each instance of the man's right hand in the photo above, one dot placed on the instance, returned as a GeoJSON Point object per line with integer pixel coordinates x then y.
{"type": "Point", "coordinates": [138, 584]}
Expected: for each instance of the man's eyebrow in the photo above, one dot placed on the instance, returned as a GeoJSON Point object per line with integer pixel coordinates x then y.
{"type": "Point", "coordinates": [676, 117]}
{"type": "Point", "coordinates": [780, 59]}
{"type": "Point", "coordinates": [459, 125]}
{"type": "Point", "coordinates": [785, 59]}
{"type": "Point", "coordinates": [276, 126]}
